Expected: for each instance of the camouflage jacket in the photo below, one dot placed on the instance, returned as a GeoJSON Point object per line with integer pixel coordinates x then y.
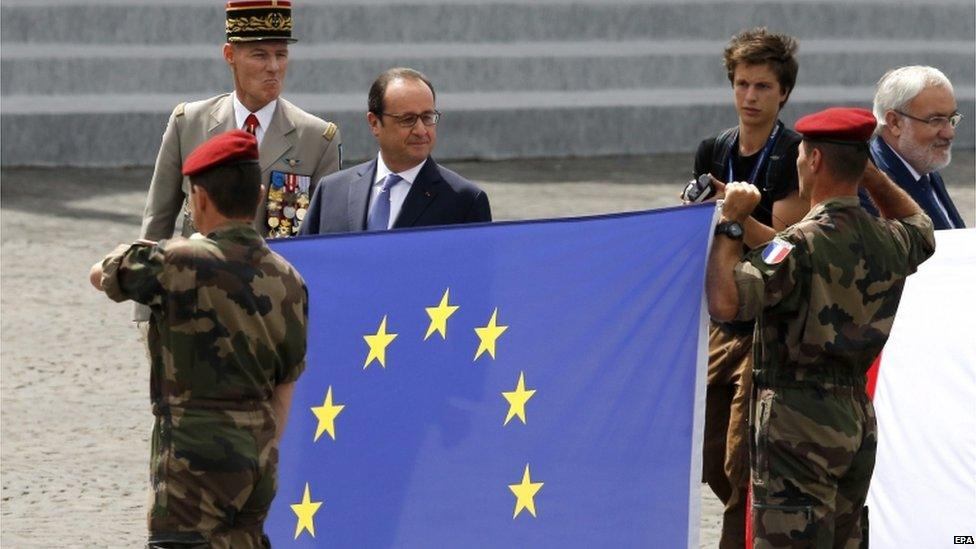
{"type": "Point", "coordinates": [228, 317]}
{"type": "Point", "coordinates": [825, 310]}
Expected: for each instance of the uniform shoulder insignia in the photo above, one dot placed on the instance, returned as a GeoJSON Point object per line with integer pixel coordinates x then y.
{"type": "Point", "coordinates": [178, 111]}
{"type": "Point", "coordinates": [330, 131]}
{"type": "Point", "coordinates": [776, 251]}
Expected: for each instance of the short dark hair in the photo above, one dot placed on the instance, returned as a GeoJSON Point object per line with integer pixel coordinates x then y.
{"type": "Point", "coordinates": [757, 46]}
{"type": "Point", "coordinates": [234, 188]}
{"type": "Point", "coordinates": [378, 90]}
{"type": "Point", "coordinates": [845, 162]}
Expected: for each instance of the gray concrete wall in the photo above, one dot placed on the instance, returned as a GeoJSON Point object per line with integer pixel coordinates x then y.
{"type": "Point", "coordinates": [91, 83]}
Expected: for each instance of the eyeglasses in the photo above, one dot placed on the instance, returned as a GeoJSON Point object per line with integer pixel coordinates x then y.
{"type": "Point", "coordinates": [936, 121]}
{"type": "Point", "coordinates": [429, 118]}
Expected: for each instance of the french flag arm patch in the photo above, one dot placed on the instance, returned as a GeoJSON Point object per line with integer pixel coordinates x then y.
{"type": "Point", "coordinates": [776, 251]}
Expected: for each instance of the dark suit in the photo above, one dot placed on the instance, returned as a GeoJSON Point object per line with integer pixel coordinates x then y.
{"type": "Point", "coordinates": [887, 161]}
{"type": "Point", "coordinates": [437, 196]}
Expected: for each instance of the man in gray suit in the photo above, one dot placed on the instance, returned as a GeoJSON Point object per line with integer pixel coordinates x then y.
{"type": "Point", "coordinates": [296, 149]}
{"type": "Point", "coordinates": [402, 186]}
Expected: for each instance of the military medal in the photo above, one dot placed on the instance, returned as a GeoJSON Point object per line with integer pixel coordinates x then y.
{"type": "Point", "coordinates": [288, 195]}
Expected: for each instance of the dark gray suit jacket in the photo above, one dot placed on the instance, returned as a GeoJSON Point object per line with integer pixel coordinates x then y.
{"type": "Point", "coordinates": [438, 196]}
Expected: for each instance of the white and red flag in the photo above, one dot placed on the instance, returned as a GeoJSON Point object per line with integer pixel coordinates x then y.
{"type": "Point", "coordinates": [923, 493]}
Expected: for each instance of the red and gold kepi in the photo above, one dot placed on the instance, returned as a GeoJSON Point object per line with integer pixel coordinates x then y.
{"type": "Point", "coordinates": [252, 20]}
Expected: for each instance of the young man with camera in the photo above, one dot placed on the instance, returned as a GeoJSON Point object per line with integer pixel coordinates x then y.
{"type": "Point", "coordinates": [762, 151]}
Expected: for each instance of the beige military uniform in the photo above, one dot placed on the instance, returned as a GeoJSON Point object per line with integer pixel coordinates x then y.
{"type": "Point", "coordinates": [295, 142]}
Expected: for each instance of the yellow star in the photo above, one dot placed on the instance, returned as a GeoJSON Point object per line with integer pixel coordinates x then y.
{"type": "Point", "coordinates": [439, 315]}
{"type": "Point", "coordinates": [488, 335]}
{"type": "Point", "coordinates": [517, 399]}
{"type": "Point", "coordinates": [327, 413]}
{"type": "Point", "coordinates": [305, 511]}
{"type": "Point", "coordinates": [377, 345]}
{"type": "Point", "coordinates": [525, 493]}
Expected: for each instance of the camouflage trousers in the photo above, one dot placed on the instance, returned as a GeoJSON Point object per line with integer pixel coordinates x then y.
{"type": "Point", "coordinates": [812, 458]}
{"type": "Point", "coordinates": [213, 476]}
{"type": "Point", "coordinates": [725, 452]}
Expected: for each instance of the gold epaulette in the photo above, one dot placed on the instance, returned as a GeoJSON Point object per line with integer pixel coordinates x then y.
{"type": "Point", "coordinates": [330, 131]}
{"type": "Point", "coordinates": [178, 111]}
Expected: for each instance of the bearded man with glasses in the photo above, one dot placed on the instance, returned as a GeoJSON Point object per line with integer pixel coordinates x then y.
{"type": "Point", "coordinates": [917, 118]}
{"type": "Point", "coordinates": [403, 186]}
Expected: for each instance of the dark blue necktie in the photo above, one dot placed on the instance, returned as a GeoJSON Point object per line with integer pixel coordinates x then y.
{"type": "Point", "coordinates": [926, 180]}
{"type": "Point", "coordinates": [379, 213]}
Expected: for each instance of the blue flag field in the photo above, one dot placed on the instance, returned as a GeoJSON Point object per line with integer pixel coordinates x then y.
{"type": "Point", "coordinates": [526, 384]}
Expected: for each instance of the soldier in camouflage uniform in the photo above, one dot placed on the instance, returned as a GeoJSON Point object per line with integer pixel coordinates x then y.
{"type": "Point", "coordinates": [824, 294]}
{"type": "Point", "coordinates": [227, 338]}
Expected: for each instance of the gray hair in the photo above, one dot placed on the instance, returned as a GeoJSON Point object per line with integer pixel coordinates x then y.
{"type": "Point", "coordinates": [898, 87]}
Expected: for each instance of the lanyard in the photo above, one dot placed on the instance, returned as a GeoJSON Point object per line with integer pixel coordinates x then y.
{"type": "Point", "coordinates": [734, 148]}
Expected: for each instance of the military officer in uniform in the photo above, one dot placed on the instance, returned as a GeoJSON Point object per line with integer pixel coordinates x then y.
{"type": "Point", "coordinates": [227, 340]}
{"type": "Point", "coordinates": [296, 148]}
{"type": "Point", "coordinates": [824, 294]}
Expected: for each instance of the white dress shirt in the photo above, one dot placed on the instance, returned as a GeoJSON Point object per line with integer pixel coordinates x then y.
{"type": "Point", "coordinates": [398, 193]}
{"type": "Point", "coordinates": [264, 116]}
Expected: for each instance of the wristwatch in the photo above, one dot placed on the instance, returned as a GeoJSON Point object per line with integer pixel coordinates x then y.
{"type": "Point", "coordinates": [731, 229]}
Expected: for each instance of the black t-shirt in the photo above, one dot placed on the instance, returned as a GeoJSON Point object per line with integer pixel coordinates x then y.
{"type": "Point", "coordinates": [776, 179]}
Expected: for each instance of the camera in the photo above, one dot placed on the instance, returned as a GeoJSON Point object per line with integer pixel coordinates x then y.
{"type": "Point", "coordinates": [699, 190]}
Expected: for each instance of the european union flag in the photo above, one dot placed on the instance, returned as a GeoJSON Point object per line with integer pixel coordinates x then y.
{"type": "Point", "coordinates": [529, 384]}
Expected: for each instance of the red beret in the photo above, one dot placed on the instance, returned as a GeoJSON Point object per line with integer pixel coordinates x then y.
{"type": "Point", "coordinates": [844, 125]}
{"type": "Point", "coordinates": [226, 148]}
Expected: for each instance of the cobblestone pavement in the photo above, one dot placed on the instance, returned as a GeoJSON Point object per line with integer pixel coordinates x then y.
{"type": "Point", "coordinates": [75, 418]}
